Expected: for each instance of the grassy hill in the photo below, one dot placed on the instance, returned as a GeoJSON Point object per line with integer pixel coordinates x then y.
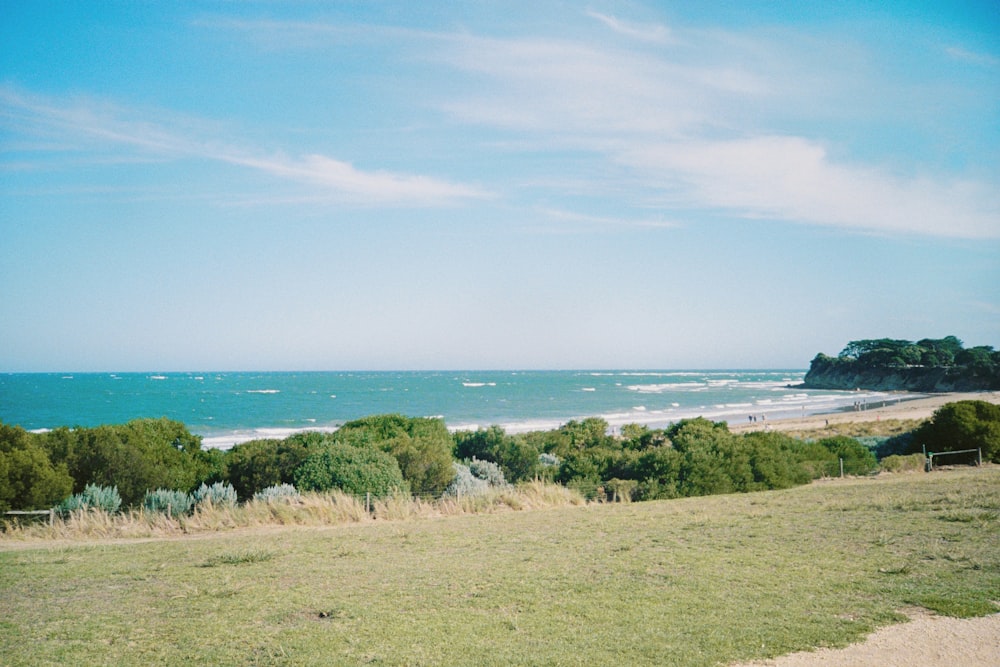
{"type": "Point", "coordinates": [697, 581]}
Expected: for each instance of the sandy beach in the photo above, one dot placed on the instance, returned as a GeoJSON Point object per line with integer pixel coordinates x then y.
{"type": "Point", "coordinates": [901, 408]}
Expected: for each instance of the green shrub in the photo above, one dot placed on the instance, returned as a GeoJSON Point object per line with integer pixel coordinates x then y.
{"type": "Point", "coordinates": [104, 498]}
{"type": "Point", "coordinates": [773, 461]}
{"type": "Point", "coordinates": [962, 425]}
{"type": "Point", "coordinates": [259, 464]}
{"type": "Point", "coordinates": [218, 494]}
{"type": "Point", "coordinates": [28, 478]}
{"type": "Point", "coordinates": [353, 470]}
{"type": "Point", "coordinates": [277, 492]}
{"type": "Point", "coordinates": [858, 459]}
{"type": "Point", "coordinates": [421, 446]}
{"type": "Point", "coordinates": [516, 456]}
{"type": "Point", "coordinates": [168, 501]}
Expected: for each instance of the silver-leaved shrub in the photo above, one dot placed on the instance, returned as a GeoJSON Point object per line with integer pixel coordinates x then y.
{"type": "Point", "coordinates": [218, 494]}
{"type": "Point", "coordinates": [168, 501]}
{"type": "Point", "coordinates": [93, 497]}
{"type": "Point", "coordinates": [277, 492]}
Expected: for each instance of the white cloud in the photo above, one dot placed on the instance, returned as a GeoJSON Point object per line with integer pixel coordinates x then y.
{"type": "Point", "coordinates": [92, 125]}
{"type": "Point", "coordinates": [374, 186]}
{"type": "Point", "coordinates": [793, 179]}
{"type": "Point", "coordinates": [687, 125]}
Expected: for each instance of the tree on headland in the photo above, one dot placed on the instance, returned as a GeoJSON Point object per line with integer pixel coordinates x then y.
{"type": "Point", "coordinates": [926, 365]}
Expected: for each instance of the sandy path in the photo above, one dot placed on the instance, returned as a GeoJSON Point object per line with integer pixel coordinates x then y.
{"type": "Point", "coordinates": [925, 641]}
{"type": "Point", "coordinates": [919, 408]}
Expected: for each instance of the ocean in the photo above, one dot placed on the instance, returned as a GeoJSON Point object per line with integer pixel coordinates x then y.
{"type": "Point", "coordinates": [228, 408]}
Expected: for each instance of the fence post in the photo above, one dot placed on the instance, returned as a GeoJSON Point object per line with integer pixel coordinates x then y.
{"type": "Point", "coordinates": [979, 457]}
{"type": "Point", "coordinates": [368, 502]}
{"type": "Point", "coordinates": [841, 468]}
{"type": "Point", "coordinates": [52, 516]}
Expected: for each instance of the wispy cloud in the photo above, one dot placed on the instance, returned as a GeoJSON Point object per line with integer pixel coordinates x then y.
{"type": "Point", "coordinates": [790, 178]}
{"type": "Point", "coordinates": [91, 124]}
{"type": "Point", "coordinates": [644, 32]}
{"type": "Point", "coordinates": [985, 59]}
{"type": "Point", "coordinates": [603, 222]}
{"type": "Point", "coordinates": [684, 124]}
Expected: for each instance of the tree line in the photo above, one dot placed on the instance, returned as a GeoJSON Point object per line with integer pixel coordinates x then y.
{"type": "Point", "coordinates": [890, 353]}
{"type": "Point", "coordinates": [386, 454]}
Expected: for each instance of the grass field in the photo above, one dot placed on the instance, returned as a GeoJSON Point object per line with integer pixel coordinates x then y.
{"type": "Point", "coordinates": [698, 581]}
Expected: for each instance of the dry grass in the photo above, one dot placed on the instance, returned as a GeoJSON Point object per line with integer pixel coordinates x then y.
{"type": "Point", "coordinates": [313, 509]}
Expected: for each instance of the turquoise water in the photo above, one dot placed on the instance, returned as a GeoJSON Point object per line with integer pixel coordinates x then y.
{"type": "Point", "coordinates": [226, 408]}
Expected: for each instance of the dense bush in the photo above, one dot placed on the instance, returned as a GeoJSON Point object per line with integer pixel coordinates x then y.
{"type": "Point", "coordinates": [105, 498]}
{"type": "Point", "coordinates": [775, 461]}
{"type": "Point", "coordinates": [258, 464]}
{"type": "Point", "coordinates": [168, 501]}
{"type": "Point", "coordinates": [858, 459]}
{"type": "Point", "coordinates": [516, 456]}
{"type": "Point", "coordinates": [962, 425]}
{"type": "Point", "coordinates": [422, 447]}
{"type": "Point", "coordinates": [353, 470]}
{"type": "Point", "coordinates": [137, 456]}
{"type": "Point", "coordinates": [28, 479]}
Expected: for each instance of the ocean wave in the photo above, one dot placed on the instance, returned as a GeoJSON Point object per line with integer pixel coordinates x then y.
{"type": "Point", "coordinates": [263, 391]}
{"type": "Point", "coordinates": [661, 388]}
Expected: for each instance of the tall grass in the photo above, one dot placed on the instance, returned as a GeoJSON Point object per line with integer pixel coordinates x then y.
{"type": "Point", "coordinates": [310, 509]}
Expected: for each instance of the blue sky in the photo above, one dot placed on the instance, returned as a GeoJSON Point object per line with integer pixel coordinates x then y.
{"type": "Point", "coordinates": [398, 185]}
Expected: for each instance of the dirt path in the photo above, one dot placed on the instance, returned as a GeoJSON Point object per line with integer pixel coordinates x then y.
{"type": "Point", "coordinates": [925, 641]}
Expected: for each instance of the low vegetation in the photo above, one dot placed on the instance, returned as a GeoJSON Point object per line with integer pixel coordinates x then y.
{"type": "Point", "coordinates": [692, 581]}
{"type": "Point", "coordinates": [159, 466]}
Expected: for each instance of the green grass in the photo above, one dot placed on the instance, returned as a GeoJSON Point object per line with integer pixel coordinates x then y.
{"type": "Point", "coordinates": [697, 581]}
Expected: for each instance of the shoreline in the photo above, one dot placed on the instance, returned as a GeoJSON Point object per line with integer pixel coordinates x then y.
{"type": "Point", "coordinates": [921, 406]}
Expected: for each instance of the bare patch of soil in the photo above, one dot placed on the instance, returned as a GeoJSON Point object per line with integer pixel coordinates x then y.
{"type": "Point", "coordinates": [925, 641]}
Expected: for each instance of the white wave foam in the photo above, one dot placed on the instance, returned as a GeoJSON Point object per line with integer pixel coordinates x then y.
{"type": "Point", "coordinates": [232, 438]}
{"type": "Point", "coordinates": [263, 391]}
{"type": "Point", "coordinates": [660, 388]}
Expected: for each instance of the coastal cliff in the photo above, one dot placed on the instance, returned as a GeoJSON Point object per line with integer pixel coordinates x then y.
{"type": "Point", "coordinates": [896, 365]}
